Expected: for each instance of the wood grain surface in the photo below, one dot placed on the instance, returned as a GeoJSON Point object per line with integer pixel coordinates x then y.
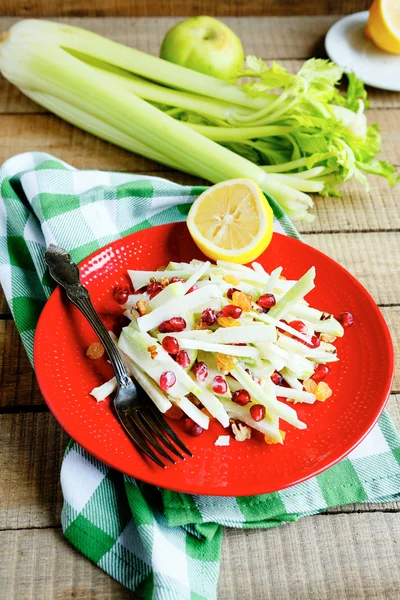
{"type": "Point", "coordinates": [360, 230]}
{"type": "Point", "coordinates": [135, 8]}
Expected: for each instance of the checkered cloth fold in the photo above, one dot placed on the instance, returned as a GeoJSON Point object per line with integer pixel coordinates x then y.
{"type": "Point", "coordinates": [161, 544]}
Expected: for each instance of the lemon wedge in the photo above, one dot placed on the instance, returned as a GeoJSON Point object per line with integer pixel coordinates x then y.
{"type": "Point", "coordinates": [232, 221]}
{"type": "Point", "coordinates": [383, 27]}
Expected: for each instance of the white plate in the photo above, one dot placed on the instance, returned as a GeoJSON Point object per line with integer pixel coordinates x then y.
{"type": "Point", "coordinates": [347, 46]}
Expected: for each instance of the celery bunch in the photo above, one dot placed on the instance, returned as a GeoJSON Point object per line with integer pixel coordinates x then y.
{"type": "Point", "coordinates": [308, 138]}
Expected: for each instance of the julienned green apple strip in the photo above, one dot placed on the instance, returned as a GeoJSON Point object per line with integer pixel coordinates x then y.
{"type": "Point", "coordinates": [55, 78]}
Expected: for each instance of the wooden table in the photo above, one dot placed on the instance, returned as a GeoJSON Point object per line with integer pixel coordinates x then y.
{"type": "Point", "coordinates": [348, 552]}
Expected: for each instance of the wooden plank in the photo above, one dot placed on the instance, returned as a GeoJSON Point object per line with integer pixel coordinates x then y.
{"type": "Point", "coordinates": [358, 209]}
{"type": "Point", "coordinates": [18, 385]}
{"type": "Point", "coordinates": [41, 564]}
{"type": "Point", "coordinates": [340, 556]}
{"type": "Point", "coordinates": [135, 8]}
{"type": "Point", "coordinates": [4, 308]}
{"type": "Point", "coordinates": [271, 37]}
{"type": "Point", "coordinates": [32, 447]}
{"type": "Point", "coordinates": [373, 258]}
{"type": "Point", "coordinates": [337, 556]}
{"type": "Point", "coordinates": [31, 451]}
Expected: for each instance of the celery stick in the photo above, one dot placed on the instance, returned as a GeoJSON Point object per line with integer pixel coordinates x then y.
{"type": "Point", "coordinates": [172, 292]}
{"type": "Point", "coordinates": [106, 389]}
{"type": "Point", "coordinates": [191, 411]}
{"type": "Point", "coordinates": [291, 379]}
{"type": "Point", "coordinates": [171, 308]}
{"type": "Point", "coordinates": [206, 346]}
{"type": "Point", "coordinates": [242, 413]}
{"type": "Point", "coordinates": [141, 278]}
{"type": "Point", "coordinates": [267, 397]}
{"type": "Point", "coordinates": [293, 394]}
{"type": "Point", "coordinates": [196, 276]}
{"type": "Point", "coordinates": [304, 285]}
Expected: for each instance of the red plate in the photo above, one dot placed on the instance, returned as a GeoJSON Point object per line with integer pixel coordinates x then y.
{"type": "Point", "coordinates": [361, 381]}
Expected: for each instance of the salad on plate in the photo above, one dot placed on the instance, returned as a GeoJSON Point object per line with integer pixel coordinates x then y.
{"type": "Point", "coordinates": [228, 342]}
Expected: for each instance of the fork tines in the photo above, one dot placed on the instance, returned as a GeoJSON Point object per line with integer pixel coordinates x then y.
{"type": "Point", "coordinates": [148, 428]}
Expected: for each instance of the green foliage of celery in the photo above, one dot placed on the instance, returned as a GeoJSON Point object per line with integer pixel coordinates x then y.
{"type": "Point", "coordinates": [318, 131]}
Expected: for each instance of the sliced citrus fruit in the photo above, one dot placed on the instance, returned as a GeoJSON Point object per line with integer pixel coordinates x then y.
{"type": "Point", "coordinates": [232, 221]}
{"type": "Point", "coordinates": [383, 26]}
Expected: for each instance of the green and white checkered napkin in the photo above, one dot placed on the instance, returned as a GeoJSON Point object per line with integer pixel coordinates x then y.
{"type": "Point", "coordinates": [161, 544]}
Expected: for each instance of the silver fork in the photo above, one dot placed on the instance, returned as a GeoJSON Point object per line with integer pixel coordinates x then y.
{"type": "Point", "coordinates": [140, 418]}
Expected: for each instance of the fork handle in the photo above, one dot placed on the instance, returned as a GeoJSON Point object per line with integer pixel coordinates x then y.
{"type": "Point", "coordinates": [66, 273]}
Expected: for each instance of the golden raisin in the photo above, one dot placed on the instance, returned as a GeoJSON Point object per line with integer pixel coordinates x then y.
{"type": "Point", "coordinates": [244, 301]}
{"type": "Point", "coordinates": [225, 362]}
{"type": "Point", "coordinates": [323, 391]}
{"type": "Point", "coordinates": [152, 279]}
{"type": "Point", "coordinates": [231, 279]}
{"type": "Point", "coordinates": [95, 350]}
{"type": "Point", "coordinates": [162, 268]}
{"type": "Point", "coordinates": [329, 339]}
{"type": "Point", "coordinates": [269, 440]}
{"type": "Point", "coordinates": [200, 325]}
{"type": "Point", "coordinates": [141, 307]}
{"type": "Point", "coordinates": [174, 412]}
{"type": "Point", "coordinates": [153, 351]}
{"type": "Point", "coordinates": [310, 385]}
{"type": "Point", "coordinates": [228, 322]}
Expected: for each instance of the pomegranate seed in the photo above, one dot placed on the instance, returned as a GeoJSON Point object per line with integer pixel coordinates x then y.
{"type": "Point", "coordinates": [200, 369]}
{"type": "Point", "coordinates": [154, 294]}
{"type": "Point", "coordinates": [241, 397]}
{"type": "Point", "coordinates": [167, 380]}
{"type": "Point", "coordinates": [192, 289]}
{"type": "Point", "coordinates": [298, 326]}
{"type": "Point", "coordinates": [266, 301]}
{"type": "Point", "coordinates": [346, 319]}
{"type": "Point", "coordinates": [315, 341]}
{"type": "Point", "coordinates": [176, 279]}
{"type": "Point", "coordinates": [230, 310]}
{"type": "Point", "coordinates": [320, 372]}
{"type": "Point", "coordinates": [192, 428]}
{"type": "Point", "coordinates": [170, 344]}
{"type": "Point", "coordinates": [276, 378]}
{"type": "Point", "coordinates": [257, 412]}
{"type": "Point", "coordinates": [182, 358]}
{"type": "Point", "coordinates": [121, 294]}
{"type": "Point", "coordinates": [153, 288]}
{"type": "Point", "coordinates": [174, 325]}
{"type": "Point", "coordinates": [174, 412]}
{"type": "Point", "coordinates": [141, 290]}
{"type": "Point", "coordinates": [208, 316]}
{"type": "Point", "coordinates": [219, 385]}
{"type": "Point", "coordinates": [230, 292]}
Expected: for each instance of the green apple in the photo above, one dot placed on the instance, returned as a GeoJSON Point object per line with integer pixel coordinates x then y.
{"type": "Point", "coordinates": [206, 45]}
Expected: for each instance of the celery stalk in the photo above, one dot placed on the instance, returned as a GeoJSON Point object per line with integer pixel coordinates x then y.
{"type": "Point", "coordinates": [304, 285]}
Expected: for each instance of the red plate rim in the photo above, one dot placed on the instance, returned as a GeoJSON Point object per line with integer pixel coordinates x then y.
{"type": "Point", "coordinates": [254, 487]}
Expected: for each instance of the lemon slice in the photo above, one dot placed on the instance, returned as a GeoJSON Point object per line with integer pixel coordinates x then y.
{"type": "Point", "coordinates": [231, 221]}
{"type": "Point", "coordinates": [383, 26]}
